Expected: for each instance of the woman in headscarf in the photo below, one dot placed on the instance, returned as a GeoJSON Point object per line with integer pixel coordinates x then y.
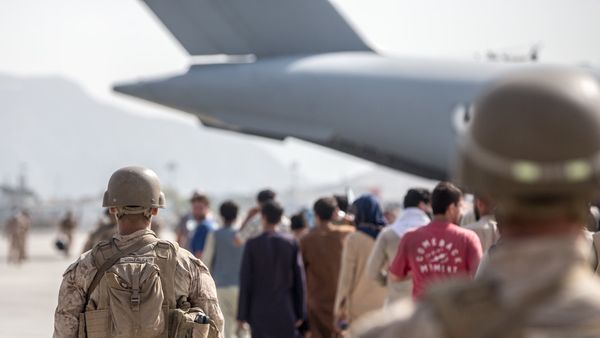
{"type": "Point", "coordinates": [358, 294]}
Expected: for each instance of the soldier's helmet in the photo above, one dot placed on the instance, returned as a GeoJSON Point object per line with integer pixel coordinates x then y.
{"type": "Point", "coordinates": [534, 140]}
{"type": "Point", "coordinates": [135, 188]}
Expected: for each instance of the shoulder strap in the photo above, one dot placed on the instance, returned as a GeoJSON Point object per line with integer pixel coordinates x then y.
{"type": "Point", "coordinates": [113, 259]}
{"type": "Point", "coordinates": [166, 252]}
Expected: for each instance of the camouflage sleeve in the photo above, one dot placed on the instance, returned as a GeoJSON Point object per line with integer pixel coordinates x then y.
{"type": "Point", "coordinates": [71, 302]}
{"type": "Point", "coordinates": [203, 293]}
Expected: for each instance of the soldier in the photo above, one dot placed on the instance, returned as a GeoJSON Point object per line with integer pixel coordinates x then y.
{"type": "Point", "coordinates": [25, 226]}
{"type": "Point", "coordinates": [533, 145]}
{"type": "Point", "coordinates": [136, 285]}
{"type": "Point", "coordinates": [16, 230]}
{"type": "Point", "coordinates": [67, 227]}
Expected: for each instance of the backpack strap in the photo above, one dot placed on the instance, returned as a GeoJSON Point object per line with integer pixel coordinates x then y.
{"type": "Point", "coordinates": [113, 259]}
{"type": "Point", "coordinates": [166, 252]}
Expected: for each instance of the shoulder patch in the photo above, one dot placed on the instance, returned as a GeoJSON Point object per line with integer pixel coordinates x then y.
{"type": "Point", "coordinates": [167, 243]}
{"type": "Point", "coordinates": [165, 249]}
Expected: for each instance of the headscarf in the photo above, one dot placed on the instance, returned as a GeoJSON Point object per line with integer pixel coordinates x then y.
{"type": "Point", "coordinates": [368, 215]}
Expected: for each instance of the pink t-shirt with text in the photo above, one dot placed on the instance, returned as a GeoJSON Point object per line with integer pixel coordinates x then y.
{"type": "Point", "coordinates": [436, 251]}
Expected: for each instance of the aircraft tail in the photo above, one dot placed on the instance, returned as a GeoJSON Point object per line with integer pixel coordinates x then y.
{"type": "Point", "coordinates": [261, 27]}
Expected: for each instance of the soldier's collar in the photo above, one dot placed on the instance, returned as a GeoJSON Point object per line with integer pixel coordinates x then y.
{"type": "Point", "coordinates": [135, 235]}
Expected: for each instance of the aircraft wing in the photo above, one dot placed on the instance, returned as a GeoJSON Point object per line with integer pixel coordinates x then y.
{"type": "Point", "coordinates": [259, 27]}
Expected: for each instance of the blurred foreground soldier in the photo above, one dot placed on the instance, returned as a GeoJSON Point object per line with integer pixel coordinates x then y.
{"type": "Point", "coordinates": [417, 204]}
{"type": "Point", "coordinates": [486, 227]}
{"type": "Point", "coordinates": [322, 253]}
{"type": "Point", "coordinates": [136, 285]}
{"type": "Point", "coordinates": [533, 146]}
{"type": "Point", "coordinates": [272, 293]}
{"type": "Point", "coordinates": [16, 230]}
{"type": "Point", "coordinates": [66, 228]}
{"type": "Point", "coordinates": [107, 227]}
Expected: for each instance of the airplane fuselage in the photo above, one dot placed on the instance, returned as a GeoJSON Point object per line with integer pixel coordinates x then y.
{"type": "Point", "coordinates": [397, 112]}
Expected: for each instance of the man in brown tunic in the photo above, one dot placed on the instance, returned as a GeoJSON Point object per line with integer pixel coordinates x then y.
{"type": "Point", "coordinates": [321, 252]}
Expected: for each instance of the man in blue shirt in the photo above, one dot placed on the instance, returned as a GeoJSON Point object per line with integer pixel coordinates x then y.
{"type": "Point", "coordinates": [223, 256]}
{"type": "Point", "coordinates": [204, 225]}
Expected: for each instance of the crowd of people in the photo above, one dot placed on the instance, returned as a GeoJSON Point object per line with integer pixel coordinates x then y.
{"type": "Point", "coordinates": [521, 263]}
{"type": "Point", "coordinates": [291, 277]}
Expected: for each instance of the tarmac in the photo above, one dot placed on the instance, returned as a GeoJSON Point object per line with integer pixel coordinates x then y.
{"type": "Point", "coordinates": [29, 292]}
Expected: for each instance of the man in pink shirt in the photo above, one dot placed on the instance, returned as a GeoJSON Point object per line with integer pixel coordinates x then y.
{"type": "Point", "coordinates": [441, 249]}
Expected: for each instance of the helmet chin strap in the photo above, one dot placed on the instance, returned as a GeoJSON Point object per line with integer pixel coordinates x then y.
{"type": "Point", "coordinates": [133, 210]}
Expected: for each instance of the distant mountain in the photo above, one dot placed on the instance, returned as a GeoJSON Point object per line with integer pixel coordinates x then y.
{"type": "Point", "coordinates": [68, 144]}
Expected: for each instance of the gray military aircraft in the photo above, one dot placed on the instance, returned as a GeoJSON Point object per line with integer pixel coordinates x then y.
{"type": "Point", "coordinates": [295, 68]}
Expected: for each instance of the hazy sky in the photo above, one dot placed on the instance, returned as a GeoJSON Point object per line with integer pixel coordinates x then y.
{"type": "Point", "coordinates": [98, 43]}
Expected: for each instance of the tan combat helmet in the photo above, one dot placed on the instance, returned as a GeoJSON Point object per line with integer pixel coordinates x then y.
{"type": "Point", "coordinates": [534, 141]}
{"type": "Point", "coordinates": [133, 190]}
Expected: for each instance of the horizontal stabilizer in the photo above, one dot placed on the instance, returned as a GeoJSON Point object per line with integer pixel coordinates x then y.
{"type": "Point", "coordinates": [259, 27]}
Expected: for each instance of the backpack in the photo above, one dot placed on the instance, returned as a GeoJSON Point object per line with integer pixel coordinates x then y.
{"type": "Point", "coordinates": [136, 295]}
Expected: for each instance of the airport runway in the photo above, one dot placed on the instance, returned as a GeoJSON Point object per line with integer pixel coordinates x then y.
{"type": "Point", "coordinates": [28, 293]}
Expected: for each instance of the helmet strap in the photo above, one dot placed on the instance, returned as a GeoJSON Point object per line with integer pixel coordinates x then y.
{"type": "Point", "coordinates": [133, 210]}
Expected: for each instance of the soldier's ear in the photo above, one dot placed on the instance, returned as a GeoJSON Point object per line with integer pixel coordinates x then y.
{"type": "Point", "coordinates": [113, 210]}
{"type": "Point", "coordinates": [154, 211]}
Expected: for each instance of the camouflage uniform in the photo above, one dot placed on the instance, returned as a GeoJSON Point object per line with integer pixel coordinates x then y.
{"type": "Point", "coordinates": [518, 269]}
{"type": "Point", "coordinates": [192, 279]}
{"type": "Point", "coordinates": [67, 227]}
{"type": "Point", "coordinates": [17, 228]}
{"type": "Point", "coordinates": [25, 221]}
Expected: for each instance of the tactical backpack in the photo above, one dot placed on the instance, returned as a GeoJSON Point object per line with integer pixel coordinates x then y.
{"type": "Point", "coordinates": [136, 295]}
